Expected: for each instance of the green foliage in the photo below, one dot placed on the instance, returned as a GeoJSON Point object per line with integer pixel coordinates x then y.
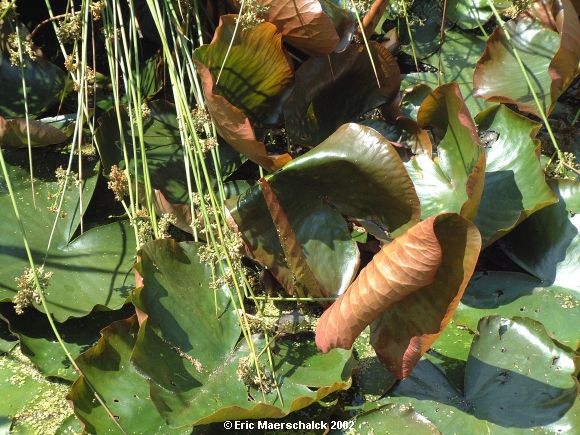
{"type": "Point", "coordinates": [276, 191]}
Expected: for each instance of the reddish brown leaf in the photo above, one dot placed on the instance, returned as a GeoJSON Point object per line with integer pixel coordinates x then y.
{"type": "Point", "coordinates": [13, 133]}
{"type": "Point", "coordinates": [408, 292]}
{"type": "Point", "coordinates": [302, 275]}
{"type": "Point", "coordinates": [303, 24]}
{"type": "Point", "coordinates": [182, 212]}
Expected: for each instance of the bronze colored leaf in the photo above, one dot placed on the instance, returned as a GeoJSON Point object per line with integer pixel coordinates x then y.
{"type": "Point", "coordinates": [13, 133]}
{"type": "Point", "coordinates": [407, 293]}
{"type": "Point", "coordinates": [235, 127]}
{"type": "Point", "coordinates": [303, 24]}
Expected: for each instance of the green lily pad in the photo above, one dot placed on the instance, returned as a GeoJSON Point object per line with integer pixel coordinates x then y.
{"type": "Point", "coordinates": [44, 85]}
{"type": "Point", "coordinates": [355, 172]}
{"type": "Point", "coordinates": [517, 380]}
{"type": "Point", "coordinates": [330, 91]}
{"type": "Point", "coordinates": [553, 253]}
{"type": "Point", "coordinates": [517, 294]}
{"type": "Point", "coordinates": [425, 27]}
{"type": "Point", "coordinates": [194, 361]}
{"type": "Point", "coordinates": [91, 269]}
{"type": "Point", "coordinates": [38, 343]}
{"type": "Point", "coordinates": [469, 14]}
{"type": "Point", "coordinates": [515, 186]}
{"type": "Point", "coordinates": [390, 418]}
{"type": "Point", "coordinates": [454, 180]}
{"type": "Point", "coordinates": [125, 391]}
{"type": "Point", "coordinates": [163, 148]}
{"type": "Point", "coordinates": [459, 56]}
{"type": "Point", "coordinates": [498, 77]}
{"type": "Point", "coordinates": [517, 376]}
{"type": "Point", "coordinates": [29, 403]}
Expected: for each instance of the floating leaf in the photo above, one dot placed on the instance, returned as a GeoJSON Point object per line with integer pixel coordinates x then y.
{"type": "Point", "coordinates": [454, 181]}
{"type": "Point", "coordinates": [30, 403]}
{"type": "Point", "coordinates": [517, 294]}
{"type": "Point", "coordinates": [44, 85]}
{"type": "Point", "coordinates": [91, 269]}
{"type": "Point", "coordinates": [517, 376]}
{"type": "Point", "coordinates": [246, 90]}
{"type": "Point", "coordinates": [498, 77]}
{"type": "Point", "coordinates": [188, 346]}
{"type": "Point", "coordinates": [553, 253]}
{"type": "Point", "coordinates": [39, 344]}
{"type": "Point", "coordinates": [107, 369]}
{"type": "Point", "coordinates": [392, 418]}
{"type": "Point", "coordinates": [516, 379]}
{"type": "Point", "coordinates": [515, 186]}
{"type": "Point", "coordinates": [330, 91]}
{"type": "Point", "coordinates": [163, 148]}
{"type": "Point", "coordinates": [469, 14]}
{"type": "Point", "coordinates": [408, 292]}
{"type": "Point", "coordinates": [306, 25]}
{"type": "Point", "coordinates": [381, 192]}
{"type": "Point", "coordinates": [13, 133]}
{"type": "Point", "coordinates": [458, 56]}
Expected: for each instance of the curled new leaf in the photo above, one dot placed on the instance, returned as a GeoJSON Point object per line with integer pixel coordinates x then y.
{"type": "Point", "coordinates": [407, 293]}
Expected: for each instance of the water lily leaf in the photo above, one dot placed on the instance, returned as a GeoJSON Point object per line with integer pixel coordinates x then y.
{"type": "Point", "coordinates": [517, 294]}
{"type": "Point", "coordinates": [516, 379]}
{"type": "Point", "coordinates": [187, 345]}
{"type": "Point", "coordinates": [469, 14]}
{"type": "Point", "coordinates": [426, 29]}
{"type": "Point", "coordinates": [13, 133]}
{"type": "Point", "coordinates": [515, 186]}
{"type": "Point", "coordinates": [454, 181]}
{"type": "Point", "coordinates": [498, 77]}
{"type": "Point", "coordinates": [408, 292]}
{"type": "Point", "coordinates": [246, 90]}
{"type": "Point", "coordinates": [459, 56]}
{"type": "Point", "coordinates": [330, 91]}
{"type": "Point", "coordinates": [305, 24]}
{"type": "Point", "coordinates": [517, 376]}
{"type": "Point", "coordinates": [392, 418]}
{"type": "Point", "coordinates": [39, 344]}
{"type": "Point", "coordinates": [30, 403]}
{"type": "Point", "coordinates": [44, 85]}
{"type": "Point", "coordinates": [553, 253]}
{"type": "Point", "coordinates": [89, 269]}
{"type": "Point", "coordinates": [163, 149]}
{"type": "Point", "coordinates": [107, 368]}
{"type": "Point", "coordinates": [328, 190]}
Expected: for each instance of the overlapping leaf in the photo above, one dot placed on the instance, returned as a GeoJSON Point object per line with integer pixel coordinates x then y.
{"type": "Point", "coordinates": [14, 133]}
{"type": "Point", "coordinates": [44, 85]}
{"type": "Point", "coordinates": [551, 62]}
{"type": "Point", "coordinates": [459, 55]}
{"type": "Point", "coordinates": [356, 173]}
{"type": "Point", "coordinates": [515, 186]}
{"type": "Point", "coordinates": [124, 390]}
{"type": "Point", "coordinates": [306, 25]}
{"type": "Point", "coordinates": [517, 294]}
{"type": "Point", "coordinates": [553, 254]}
{"type": "Point", "coordinates": [163, 148]}
{"type": "Point", "coordinates": [330, 91]}
{"type": "Point", "coordinates": [516, 379]}
{"type": "Point", "coordinates": [91, 269]}
{"type": "Point", "coordinates": [408, 292]}
{"type": "Point", "coordinates": [454, 181]}
{"type": "Point", "coordinates": [252, 85]}
{"type": "Point", "coordinates": [188, 346]}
